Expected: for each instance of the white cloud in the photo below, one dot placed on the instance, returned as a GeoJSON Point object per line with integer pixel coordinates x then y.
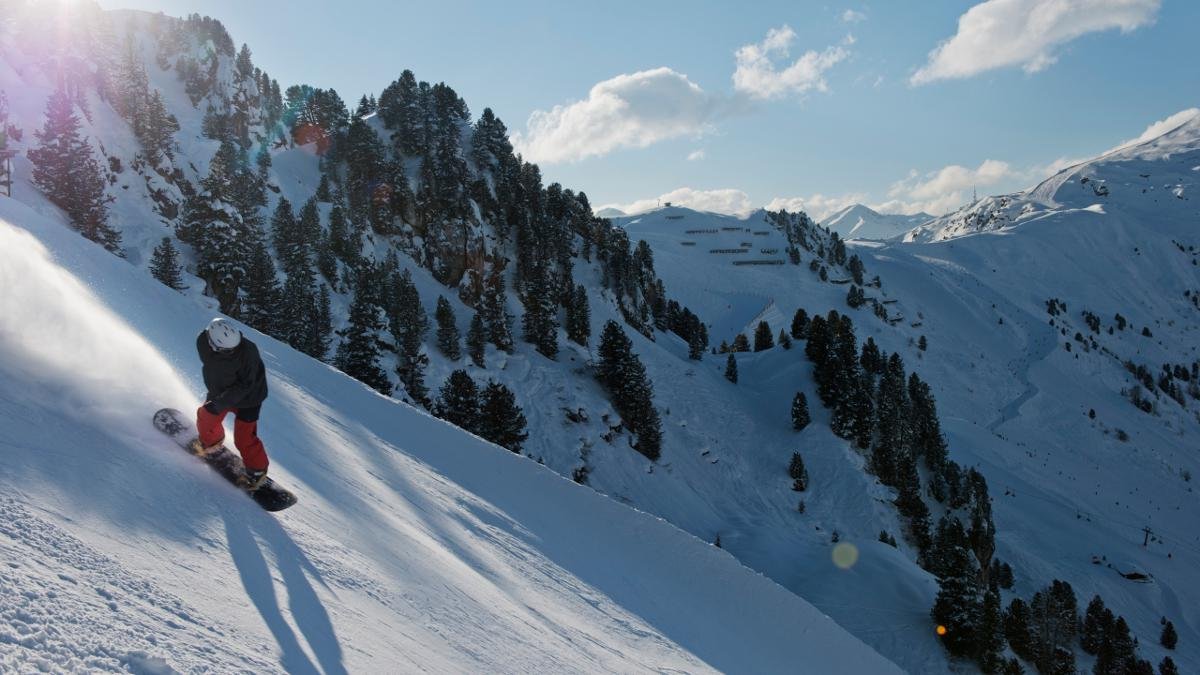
{"type": "Point", "coordinates": [695, 155]}
{"type": "Point", "coordinates": [756, 73]}
{"type": "Point", "coordinates": [1160, 127]}
{"type": "Point", "coordinates": [818, 206]}
{"type": "Point", "coordinates": [1026, 33]}
{"type": "Point", "coordinates": [728, 201]}
{"type": "Point", "coordinates": [852, 16]}
{"type": "Point", "coordinates": [627, 111]}
{"type": "Point", "coordinates": [946, 189]}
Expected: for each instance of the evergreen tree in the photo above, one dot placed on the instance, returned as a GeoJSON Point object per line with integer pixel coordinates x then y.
{"type": "Point", "coordinates": [164, 265]}
{"type": "Point", "coordinates": [343, 242]}
{"type": "Point", "coordinates": [1117, 654]}
{"type": "Point", "coordinates": [731, 369]}
{"type": "Point", "coordinates": [958, 606]}
{"type": "Point", "coordinates": [579, 317]}
{"type": "Point", "coordinates": [358, 354]}
{"type": "Point", "coordinates": [871, 359]}
{"type": "Point", "coordinates": [321, 332]}
{"type": "Point", "coordinates": [800, 417]}
{"type": "Point", "coordinates": [1168, 638]}
{"type": "Point", "coordinates": [740, 343]}
{"type": "Point", "coordinates": [855, 297]}
{"type": "Point", "coordinates": [447, 330]}
{"type": "Point", "coordinates": [989, 639]}
{"type": "Point", "coordinates": [458, 401]}
{"type": "Point", "coordinates": [1054, 622]}
{"type": "Point", "coordinates": [1017, 630]}
{"type": "Point", "coordinates": [798, 473]}
{"type": "Point", "coordinates": [214, 226]}
{"type": "Point", "coordinates": [501, 420]}
{"type": "Point", "coordinates": [495, 313]}
{"type": "Point", "coordinates": [540, 322]}
{"type": "Point", "coordinates": [309, 223]}
{"type": "Point", "coordinates": [66, 170]}
{"type": "Point", "coordinates": [800, 324]}
{"type": "Point", "coordinates": [891, 422]}
{"type": "Point", "coordinates": [156, 129]}
{"type": "Point", "coordinates": [290, 243]}
{"type": "Point", "coordinates": [922, 344]}
{"type": "Point", "coordinates": [785, 340]}
{"type": "Point", "coordinates": [477, 341]}
{"type": "Point", "coordinates": [261, 302]}
{"type": "Point", "coordinates": [762, 337]}
{"type": "Point", "coordinates": [298, 308]}
{"type": "Point", "coordinates": [1097, 621]}
{"type": "Point", "coordinates": [408, 324]}
{"type": "Point", "coordinates": [856, 268]}
{"type": "Point", "coordinates": [1167, 667]}
{"type": "Point", "coordinates": [621, 372]}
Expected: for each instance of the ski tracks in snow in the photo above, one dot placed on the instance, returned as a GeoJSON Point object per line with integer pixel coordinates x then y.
{"type": "Point", "coordinates": [124, 625]}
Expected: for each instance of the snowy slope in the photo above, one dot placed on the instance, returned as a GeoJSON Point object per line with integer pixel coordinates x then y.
{"type": "Point", "coordinates": [862, 222]}
{"type": "Point", "coordinates": [1141, 179]}
{"type": "Point", "coordinates": [1071, 498]}
{"type": "Point", "coordinates": [414, 546]}
{"type": "Point", "coordinates": [1013, 402]}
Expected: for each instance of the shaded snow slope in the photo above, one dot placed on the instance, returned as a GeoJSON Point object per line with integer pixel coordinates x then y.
{"type": "Point", "coordinates": [1070, 497]}
{"type": "Point", "coordinates": [862, 222]}
{"type": "Point", "coordinates": [414, 545]}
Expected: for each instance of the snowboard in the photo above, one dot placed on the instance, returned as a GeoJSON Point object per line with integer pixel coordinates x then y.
{"type": "Point", "coordinates": [181, 429]}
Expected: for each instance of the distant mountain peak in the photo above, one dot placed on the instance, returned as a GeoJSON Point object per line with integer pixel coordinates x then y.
{"type": "Point", "coordinates": [859, 221]}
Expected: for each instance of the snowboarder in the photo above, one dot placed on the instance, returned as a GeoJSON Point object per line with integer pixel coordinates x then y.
{"type": "Point", "coordinates": [237, 382]}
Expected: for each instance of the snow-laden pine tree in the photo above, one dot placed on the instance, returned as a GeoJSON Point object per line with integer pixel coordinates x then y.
{"type": "Point", "coordinates": [800, 416]}
{"type": "Point", "coordinates": [496, 317]}
{"type": "Point", "coordinates": [621, 372]}
{"type": "Point", "coordinates": [798, 473]}
{"type": "Point", "coordinates": [164, 265]}
{"type": "Point", "coordinates": [540, 321]}
{"type": "Point", "coordinates": [731, 368]}
{"type": "Point", "coordinates": [358, 354]}
{"type": "Point", "coordinates": [959, 601]}
{"type": "Point", "coordinates": [261, 302]}
{"type": "Point", "coordinates": [66, 171]}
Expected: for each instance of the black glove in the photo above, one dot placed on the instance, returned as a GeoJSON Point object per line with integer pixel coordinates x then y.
{"type": "Point", "coordinates": [211, 407]}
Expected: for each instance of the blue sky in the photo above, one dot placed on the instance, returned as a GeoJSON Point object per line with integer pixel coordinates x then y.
{"type": "Point", "coordinates": [802, 104]}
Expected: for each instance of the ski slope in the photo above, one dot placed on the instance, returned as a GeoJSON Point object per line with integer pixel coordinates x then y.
{"type": "Point", "coordinates": [415, 546]}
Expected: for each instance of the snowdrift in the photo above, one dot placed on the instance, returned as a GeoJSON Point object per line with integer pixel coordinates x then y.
{"type": "Point", "coordinates": [414, 546]}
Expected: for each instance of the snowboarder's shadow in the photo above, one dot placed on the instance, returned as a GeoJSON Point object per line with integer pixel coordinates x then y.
{"type": "Point", "coordinates": [246, 533]}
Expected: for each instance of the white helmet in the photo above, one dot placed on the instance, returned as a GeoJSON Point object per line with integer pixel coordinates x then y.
{"type": "Point", "coordinates": [222, 335]}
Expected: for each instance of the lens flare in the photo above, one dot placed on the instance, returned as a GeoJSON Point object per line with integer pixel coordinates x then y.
{"type": "Point", "coordinates": [845, 555]}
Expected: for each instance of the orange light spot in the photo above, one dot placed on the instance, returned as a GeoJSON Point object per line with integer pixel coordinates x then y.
{"type": "Point", "coordinates": [941, 630]}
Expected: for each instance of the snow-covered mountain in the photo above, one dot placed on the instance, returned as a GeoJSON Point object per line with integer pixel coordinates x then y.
{"type": "Point", "coordinates": [862, 222]}
{"type": "Point", "coordinates": [410, 528]}
{"type": "Point", "coordinates": [415, 546]}
{"type": "Point", "coordinates": [1151, 179]}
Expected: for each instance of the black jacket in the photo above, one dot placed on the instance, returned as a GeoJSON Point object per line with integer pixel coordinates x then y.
{"type": "Point", "coordinates": [237, 379]}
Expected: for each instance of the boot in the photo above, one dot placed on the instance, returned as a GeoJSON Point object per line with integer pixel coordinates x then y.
{"type": "Point", "coordinates": [200, 450]}
{"type": "Point", "coordinates": [253, 479]}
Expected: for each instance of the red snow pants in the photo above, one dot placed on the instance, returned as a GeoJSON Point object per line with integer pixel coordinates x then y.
{"type": "Point", "coordinates": [245, 434]}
